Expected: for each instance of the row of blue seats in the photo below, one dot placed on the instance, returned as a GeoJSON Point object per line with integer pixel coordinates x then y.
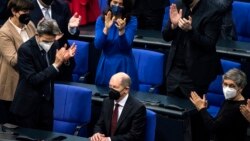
{"type": "Point", "coordinates": [150, 66]}
{"type": "Point", "coordinates": [72, 111]}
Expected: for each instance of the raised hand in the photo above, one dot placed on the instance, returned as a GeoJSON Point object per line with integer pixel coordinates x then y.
{"type": "Point", "coordinates": [120, 24]}
{"type": "Point", "coordinates": [109, 20]}
{"type": "Point", "coordinates": [245, 110]}
{"type": "Point", "coordinates": [185, 24]}
{"type": "Point", "coordinates": [75, 20]}
{"type": "Point", "coordinates": [174, 15]}
{"type": "Point", "coordinates": [70, 52]}
{"type": "Point", "coordinates": [197, 101]}
{"type": "Point", "coordinates": [59, 59]}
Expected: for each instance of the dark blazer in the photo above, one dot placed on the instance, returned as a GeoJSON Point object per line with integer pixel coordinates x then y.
{"type": "Point", "coordinates": [200, 55]}
{"type": "Point", "coordinates": [36, 77]}
{"type": "Point", "coordinates": [60, 12]}
{"type": "Point", "coordinates": [131, 124]}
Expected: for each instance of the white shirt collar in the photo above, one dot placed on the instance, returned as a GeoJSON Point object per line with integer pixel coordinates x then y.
{"type": "Point", "coordinates": [122, 101]}
{"type": "Point", "coordinates": [17, 28]}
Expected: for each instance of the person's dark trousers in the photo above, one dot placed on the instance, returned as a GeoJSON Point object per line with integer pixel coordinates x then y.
{"type": "Point", "coordinates": [42, 118]}
{"type": "Point", "coordinates": [180, 85]}
{"type": "Point", "coordinates": [4, 111]}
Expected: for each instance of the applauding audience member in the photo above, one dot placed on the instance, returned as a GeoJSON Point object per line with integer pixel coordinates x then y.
{"type": "Point", "coordinates": [229, 124]}
{"type": "Point", "coordinates": [16, 30]}
{"type": "Point", "coordinates": [114, 35]}
{"type": "Point", "coordinates": [40, 60]}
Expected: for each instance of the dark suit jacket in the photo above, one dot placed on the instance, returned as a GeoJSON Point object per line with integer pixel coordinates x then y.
{"type": "Point", "coordinates": [200, 55]}
{"type": "Point", "coordinates": [61, 13]}
{"type": "Point", "coordinates": [36, 77]}
{"type": "Point", "coordinates": [131, 124]}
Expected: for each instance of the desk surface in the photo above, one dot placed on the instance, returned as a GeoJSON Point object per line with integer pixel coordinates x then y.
{"type": "Point", "coordinates": [159, 103]}
{"type": "Point", "coordinates": [38, 135]}
{"type": "Point", "coordinates": [151, 37]}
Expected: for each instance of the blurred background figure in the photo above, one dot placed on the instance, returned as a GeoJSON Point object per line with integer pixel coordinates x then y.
{"type": "Point", "coordinates": [15, 31]}
{"type": "Point", "coordinates": [228, 30]}
{"type": "Point", "coordinates": [3, 11]}
{"type": "Point", "coordinates": [150, 13]}
{"type": "Point", "coordinates": [114, 35]}
{"type": "Point", "coordinates": [229, 124]}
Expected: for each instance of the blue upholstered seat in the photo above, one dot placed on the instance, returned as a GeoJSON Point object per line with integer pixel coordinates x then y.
{"type": "Point", "coordinates": [241, 17]}
{"type": "Point", "coordinates": [215, 95]}
{"type": "Point", "coordinates": [81, 58]}
{"type": "Point", "coordinates": [72, 109]}
{"type": "Point", "coordinates": [150, 66]}
{"type": "Point", "coordinates": [150, 126]}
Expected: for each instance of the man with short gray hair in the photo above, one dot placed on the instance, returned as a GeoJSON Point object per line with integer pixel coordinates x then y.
{"type": "Point", "coordinates": [39, 60]}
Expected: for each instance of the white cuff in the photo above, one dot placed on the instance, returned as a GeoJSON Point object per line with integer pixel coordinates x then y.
{"type": "Point", "coordinates": [72, 30]}
{"type": "Point", "coordinates": [55, 67]}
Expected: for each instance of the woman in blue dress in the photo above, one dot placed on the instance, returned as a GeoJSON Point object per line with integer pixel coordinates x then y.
{"type": "Point", "coordinates": [114, 34]}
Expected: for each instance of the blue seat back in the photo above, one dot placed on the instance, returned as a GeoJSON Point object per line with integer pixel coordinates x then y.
{"type": "Point", "coordinates": [241, 17]}
{"type": "Point", "coordinates": [150, 125]}
{"type": "Point", "coordinates": [150, 67]}
{"type": "Point", "coordinates": [72, 107]}
{"type": "Point", "coordinates": [81, 59]}
{"type": "Point", "coordinates": [215, 95]}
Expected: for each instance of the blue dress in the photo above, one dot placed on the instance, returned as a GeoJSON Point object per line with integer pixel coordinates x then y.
{"type": "Point", "coordinates": [116, 52]}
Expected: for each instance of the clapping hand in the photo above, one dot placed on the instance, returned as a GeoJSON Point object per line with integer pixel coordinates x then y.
{"type": "Point", "coordinates": [245, 110]}
{"type": "Point", "coordinates": [175, 15]}
{"type": "Point", "coordinates": [197, 101]}
{"type": "Point", "coordinates": [70, 52]}
{"type": "Point", "coordinates": [120, 24]}
{"type": "Point", "coordinates": [109, 20]}
{"type": "Point", "coordinates": [75, 20]}
{"type": "Point", "coordinates": [185, 24]}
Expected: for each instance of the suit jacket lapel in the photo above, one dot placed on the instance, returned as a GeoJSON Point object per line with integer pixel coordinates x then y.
{"type": "Point", "coordinates": [125, 112]}
{"type": "Point", "coordinates": [38, 53]}
{"type": "Point", "coordinates": [36, 13]}
{"type": "Point", "coordinates": [109, 116]}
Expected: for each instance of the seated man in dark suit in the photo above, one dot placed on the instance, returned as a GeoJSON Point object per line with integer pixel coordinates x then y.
{"type": "Point", "coordinates": [39, 61]}
{"type": "Point", "coordinates": [122, 117]}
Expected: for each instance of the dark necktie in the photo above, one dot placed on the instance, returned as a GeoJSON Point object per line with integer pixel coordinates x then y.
{"type": "Point", "coordinates": [114, 119]}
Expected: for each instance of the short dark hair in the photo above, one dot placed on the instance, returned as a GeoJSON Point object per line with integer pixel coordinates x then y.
{"type": "Point", "coordinates": [126, 13]}
{"type": "Point", "coordinates": [19, 5]}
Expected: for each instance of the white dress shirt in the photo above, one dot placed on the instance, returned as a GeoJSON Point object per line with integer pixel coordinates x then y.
{"type": "Point", "coordinates": [44, 9]}
{"type": "Point", "coordinates": [121, 105]}
{"type": "Point", "coordinates": [22, 31]}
